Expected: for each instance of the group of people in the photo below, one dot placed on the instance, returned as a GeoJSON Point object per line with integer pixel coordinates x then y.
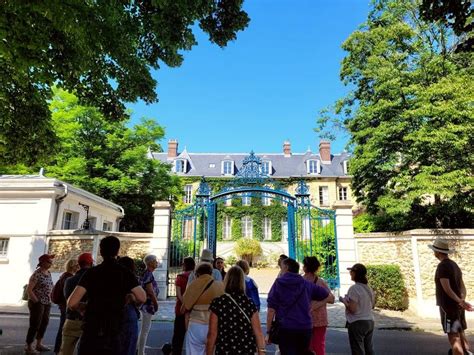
{"type": "Point", "coordinates": [100, 305]}
{"type": "Point", "coordinates": [217, 311]}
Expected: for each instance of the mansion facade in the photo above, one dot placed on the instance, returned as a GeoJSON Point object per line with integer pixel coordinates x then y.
{"type": "Point", "coordinates": [325, 174]}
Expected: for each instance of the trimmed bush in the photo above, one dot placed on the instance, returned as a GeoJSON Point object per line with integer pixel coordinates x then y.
{"type": "Point", "coordinates": [389, 286]}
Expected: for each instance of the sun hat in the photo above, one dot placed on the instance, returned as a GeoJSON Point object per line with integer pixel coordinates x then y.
{"type": "Point", "coordinates": [206, 255]}
{"type": "Point", "coordinates": [441, 246]}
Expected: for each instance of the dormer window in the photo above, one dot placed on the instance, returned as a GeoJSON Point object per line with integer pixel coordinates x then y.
{"type": "Point", "coordinates": [180, 166]}
{"type": "Point", "coordinates": [313, 166]}
{"type": "Point", "coordinates": [228, 167]}
{"type": "Point", "coordinates": [266, 167]}
{"type": "Point", "coordinates": [345, 167]}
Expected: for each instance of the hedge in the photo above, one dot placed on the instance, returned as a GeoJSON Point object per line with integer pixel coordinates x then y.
{"type": "Point", "coordinates": [389, 286]}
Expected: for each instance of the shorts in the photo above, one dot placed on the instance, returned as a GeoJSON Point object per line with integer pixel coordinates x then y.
{"type": "Point", "coordinates": [453, 322]}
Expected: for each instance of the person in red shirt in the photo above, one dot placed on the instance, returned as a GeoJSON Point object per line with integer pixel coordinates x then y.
{"type": "Point", "coordinates": [179, 321]}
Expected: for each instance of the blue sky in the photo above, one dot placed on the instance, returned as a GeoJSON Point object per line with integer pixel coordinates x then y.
{"type": "Point", "coordinates": [266, 87]}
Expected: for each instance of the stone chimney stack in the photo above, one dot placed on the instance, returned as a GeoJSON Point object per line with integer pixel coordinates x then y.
{"type": "Point", "coordinates": [287, 148]}
{"type": "Point", "coordinates": [172, 148]}
{"type": "Point", "coordinates": [325, 151]}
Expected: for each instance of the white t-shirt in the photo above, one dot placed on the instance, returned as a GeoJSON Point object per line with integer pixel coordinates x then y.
{"type": "Point", "coordinates": [364, 297]}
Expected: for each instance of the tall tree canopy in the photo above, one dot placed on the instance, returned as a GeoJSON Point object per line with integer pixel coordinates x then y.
{"type": "Point", "coordinates": [101, 50]}
{"type": "Point", "coordinates": [108, 159]}
{"type": "Point", "coordinates": [410, 113]}
{"type": "Point", "coordinates": [459, 14]}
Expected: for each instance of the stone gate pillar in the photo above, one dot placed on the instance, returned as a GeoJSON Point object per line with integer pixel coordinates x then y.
{"type": "Point", "coordinates": [346, 245]}
{"type": "Point", "coordinates": [159, 244]}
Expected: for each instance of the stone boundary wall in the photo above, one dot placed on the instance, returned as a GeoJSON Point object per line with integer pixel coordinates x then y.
{"type": "Point", "coordinates": [67, 245]}
{"type": "Point", "coordinates": [409, 250]}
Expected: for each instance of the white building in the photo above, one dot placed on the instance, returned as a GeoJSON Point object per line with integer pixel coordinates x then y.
{"type": "Point", "coordinates": [31, 206]}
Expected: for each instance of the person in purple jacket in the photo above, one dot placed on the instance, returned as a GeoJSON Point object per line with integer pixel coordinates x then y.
{"type": "Point", "coordinates": [289, 302]}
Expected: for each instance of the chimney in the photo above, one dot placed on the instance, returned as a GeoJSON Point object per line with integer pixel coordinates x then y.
{"type": "Point", "coordinates": [172, 148]}
{"type": "Point", "coordinates": [325, 151]}
{"type": "Point", "coordinates": [287, 148]}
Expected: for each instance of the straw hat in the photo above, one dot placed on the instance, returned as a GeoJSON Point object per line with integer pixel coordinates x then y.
{"type": "Point", "coordinates": [441, 246]}
{"type": "Point", "coordinates": [206, 255]}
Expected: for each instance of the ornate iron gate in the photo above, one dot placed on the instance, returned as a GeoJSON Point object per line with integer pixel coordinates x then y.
{"type": "Point", "coordinates": [311, 230]}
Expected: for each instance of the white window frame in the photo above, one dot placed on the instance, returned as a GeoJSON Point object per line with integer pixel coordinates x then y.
{"type": "Point", "coordinates": [247, 227]}
{"type": "Point", "coordinates": [107, 226]}
{"type": "Point", "coordinates": [246, 200]}
{"type": "Point", "coordinates": [184, 163]}
{"type": "Point", "coordinates": [4, 242]}
{"type": "Point", "coordinates": [313, 166]}
{"type": "Point", "coordinates": [188, 228]}
{"type": "Point", "coordinates": [262, 170]}
{"type": "Point", "coordinates": [188, 194]}
{"type": "Point", "coordinates": [227, 228]}
{"type": "Point", "coordinates": [284, 230]}
{"type": "Point", "coordinates": [345, 167]}
{"type": "Point", "coordinates": [267, 228]}
{"type": "Point", "coordinates": [342, 193]}
{"type": "Point", "coordinates": [266, 200]}
{"type": "Point", "coordinates": [306, 227]}
{"type": "Point", "coordinates": [92, 222]}
{"type": "Point", "coordinates": [71, 223]}
{"type": "Point", "coordinates": [228, 202]}
{"type": "Point", "coordinates": [227, 170]}
{"type": "Point", "coordinates": [323, 195]}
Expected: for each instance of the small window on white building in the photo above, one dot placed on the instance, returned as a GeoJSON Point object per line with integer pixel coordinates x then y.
{"type": "Point", "coordinates": [70, 220]}
{"type": "Point", "coordinates": [284, 230]}
{"type": "Point", "coordinates": [267, 228]}
{"type": "Point", "coordinates": [4, 247]}
{"type": "Point", "coordinates": [266, 167]}
{"type": "Point", "coordinates": [228, 167]}
{"type": "Point", "coordinates": [180, 166]}
{"type": "Point", "coordinates": [323, 196]}
{"type": "Point", "coordinates": [342, 193]}
{"type": "Point", "coordinates": [107, 226]}
{"type": "Point", "coordinates": [313, 166]}
{"type": "Point", "coordinates": [247, 227]}
{"type": "Point", "coordinates": [188, 194]}
{"type": "Point", "coordinates": [246, 200]}
{"type": "Point", "coordinates": [227, 228]}
{"type": "Point", "coordinates": [92, 222]}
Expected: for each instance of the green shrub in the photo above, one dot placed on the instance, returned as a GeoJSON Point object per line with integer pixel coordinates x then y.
{"type": "Point", "coordinates": [364, 223]}
{"type": "Point", "coordinates": [247, 249]}
{"type": "Point", "coordinates": [230, 260]}
{"type": "Point", "coordinates": [389, 286]}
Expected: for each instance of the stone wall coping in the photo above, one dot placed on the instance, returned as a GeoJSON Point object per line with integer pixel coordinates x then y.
{"type": "Point", "coordinates": [162, 205]}
{"type": "Point", "coordinates": [420, 234]}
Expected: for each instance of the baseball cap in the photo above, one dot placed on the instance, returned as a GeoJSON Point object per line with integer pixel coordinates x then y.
{"type": "Point", "coordinates": [85, 258]}
{"type": "Point", "coordinates": [358, 268]}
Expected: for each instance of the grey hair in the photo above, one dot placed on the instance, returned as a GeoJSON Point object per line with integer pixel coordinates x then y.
{"type": "Point", "coordinates": [149, 258]}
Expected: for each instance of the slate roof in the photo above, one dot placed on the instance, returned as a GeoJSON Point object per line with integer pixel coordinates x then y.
{"type": "Point", "coordinates": [282, 167]}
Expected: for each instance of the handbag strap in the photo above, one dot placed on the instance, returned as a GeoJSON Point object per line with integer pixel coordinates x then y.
{"type": "Point", "coordinates": [241, 310]}
{"type": "Point", "coordinates": [205, 289]}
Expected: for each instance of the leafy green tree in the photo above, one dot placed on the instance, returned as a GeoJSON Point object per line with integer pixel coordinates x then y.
{"type": "Point", "coordinates": [410, 115]}
{"type": "Point", "coordinates": [101, 50]}
{"type": "Point", "coordinates": [459, 14]}
{"type": "Point", "coordinates": [108, 159]}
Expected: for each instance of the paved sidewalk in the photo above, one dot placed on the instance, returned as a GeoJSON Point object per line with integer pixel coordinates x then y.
{"type": "Point", "coordinates": [384, 319]}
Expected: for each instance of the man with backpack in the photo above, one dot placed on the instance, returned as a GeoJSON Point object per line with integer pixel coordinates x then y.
{"type": "Point", "coordinates": [72, 329]}
{"type": "Point", "coordinates": [106, 286]}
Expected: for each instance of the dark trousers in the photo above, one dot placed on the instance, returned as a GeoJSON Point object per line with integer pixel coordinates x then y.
{"type": "Point", "coordinates": [179, 332]}
{"type": "Point", "coordinates": [295, 341]}
{"type": "Point", "coordinates": [360, 337]}
{"type": "Point", "coordinates": [92, 343]}
{"type": "Point", "coordinates": [39, 319]}
{"type": "Point", "coordinates": [59, 335]}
